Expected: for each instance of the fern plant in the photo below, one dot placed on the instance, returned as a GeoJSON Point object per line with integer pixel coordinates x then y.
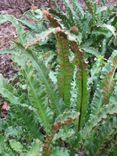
{"type": "Point", "coordinates": [56, 107]}
{"type": "Point", "coordinates": [94, 25]}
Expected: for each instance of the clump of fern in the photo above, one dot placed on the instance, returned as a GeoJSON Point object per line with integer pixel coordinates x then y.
{"type": "Point", "coordinates": [65, 105]}
{"type": "Point", "coordinates": [94, 25]}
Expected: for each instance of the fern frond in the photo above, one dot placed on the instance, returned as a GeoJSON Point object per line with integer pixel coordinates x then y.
{"type": "Point", "coordinates": [103, 138]}
{"type": "Point", "coordinates": [105, 89]}
{"type": "Point", "coordinates": [108, 77]}
{"type": "Point", "coordinates": [8, 91]}
{"type": "Point", "coordinates": [97, 101]}
{"type": "Point", "coordinates": [36, 149]}
{"type": "Point", "coordinates": [65, 74]}
{"type": "Point", "coordinates": [29, 56]}
{"type": "Point", "coordinates": [27, 118]}
{"type": "Point", "coordinates": [37, 98]}
{"type": "Point", "coordinates": [78, 9]}
{"type": "Point", "coordinates": [74, 13]}
{"type": "Point", "coordinates": [57, 151]}
{"type": "Point", "coordinates": [107, 130]}
{"type": "Point", "coordinates": [82, 76]}
{"type": "Point", "coordinates": [11, 94]}
{"type": "Point", "coordinates": [70, 11]}
{"type": "Point", "coordinates": [109, 142]}
{"type": "Point", "coordinates": [101, 115]}
{"type": "Point", "coordinates": [91, 6]}
{"type": "Point", "coordinates": [53, 21]}
{"type": "Point", "coordinates": [63, 16]}
{"type": "Point", "coordinates": [56, 127]}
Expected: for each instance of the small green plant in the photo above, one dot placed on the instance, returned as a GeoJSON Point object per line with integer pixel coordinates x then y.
{"type": "Point", "coordinates": [62, 104]}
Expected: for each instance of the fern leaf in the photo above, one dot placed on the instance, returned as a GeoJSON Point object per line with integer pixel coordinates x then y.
{"type": "Point", "coordinates": [65, 74]}
{"type": "Point", "coordinates": [70, 11]}
{"type": "Point", "coordinates": [27, 118]}
{"type": "Point", "coordinates": [35, 97]}
{"type": "Point", "coordinates": [53, 21]}
{"type": "Point", "coordinates": [56, 127]}
{"type": "Point", "coordinates": [36, 149]}
{"type": "Point", "coordinates": [108, 79]}
{"type": "Point", "coordinates": [108, 143]}
{"type": "Point", "coordinates": [8, 91]}
{"type": "Point", "coordinates": [97, 101]}
{"type": "Point", "coordinates": [107, 130]}
{"type": "Point", "coordinates": [79, 10]}
{"type": "Point", "coordinates": [11, 95]}
{"type": "Point", "coordinates": [25, 56]}
{"type": "Point", "coordinates": [74, 13]}
{"type": "Point", "coordinates": [104, 91]}
{"type": "Point", "coordinates": [82, 75]}
{"type": "Point", "coordinates": [60, 151]}
{"type": "Point", "coordinates": [103, 139]}
{"type": "Point", "coordinates": [102, 115]}
{"type": "Point", "coordinates": [63, 16]}
{"type": "Point", "coordinates": [90, 5]}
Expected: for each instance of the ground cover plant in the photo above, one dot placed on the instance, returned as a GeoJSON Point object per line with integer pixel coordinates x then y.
{"type": "Point", "coordinates": [65, 98]}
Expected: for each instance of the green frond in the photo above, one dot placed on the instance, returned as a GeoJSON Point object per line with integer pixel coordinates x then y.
{"type": "Point", "coordinates": [11, 94]}
{"type": "Point", "coordinates": [78, 9]}
{"type": "Point", "coordinates": [101, 115]}
{"type": "Point", "coordinates": [104, 136]}
{"type": "Point", "coordinates": [113, 151]}
{"type": "Point", "coordinates": [108, 77]}
{"type": "Point", "coordinates": [37, 98]}
{"type": "Point", "coordinates": [103, 139]}
{"type": "Point", "coordinates": [7, 91]}
{"type": "Point", "coordinates": [65, 73]}
{"type": "Point", "coordinates": [26, 55]}
{"type": "Point", "coordinates": [91, 6]}
{"type": "Point", "coordinates": [74, 13]}
{"type": "Point", "coordinates": [81, 82]}
{"type": "Point", "coordinates": [63, 16]}
{"type": "Point", "coordinates": [109, 142]}
{"type": "Point", "coordinates": [97, 101]}
{"type": "Point", "coordinates": [57, 151]}
{"type": "Point", "coordinates": [36, 149]}
{"type": "Point", "coordinates": [70, 11]}
{"type": "Point", "coordinates": [27, 118]}
{"type": "Point", "coordinates": [105, 89]}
